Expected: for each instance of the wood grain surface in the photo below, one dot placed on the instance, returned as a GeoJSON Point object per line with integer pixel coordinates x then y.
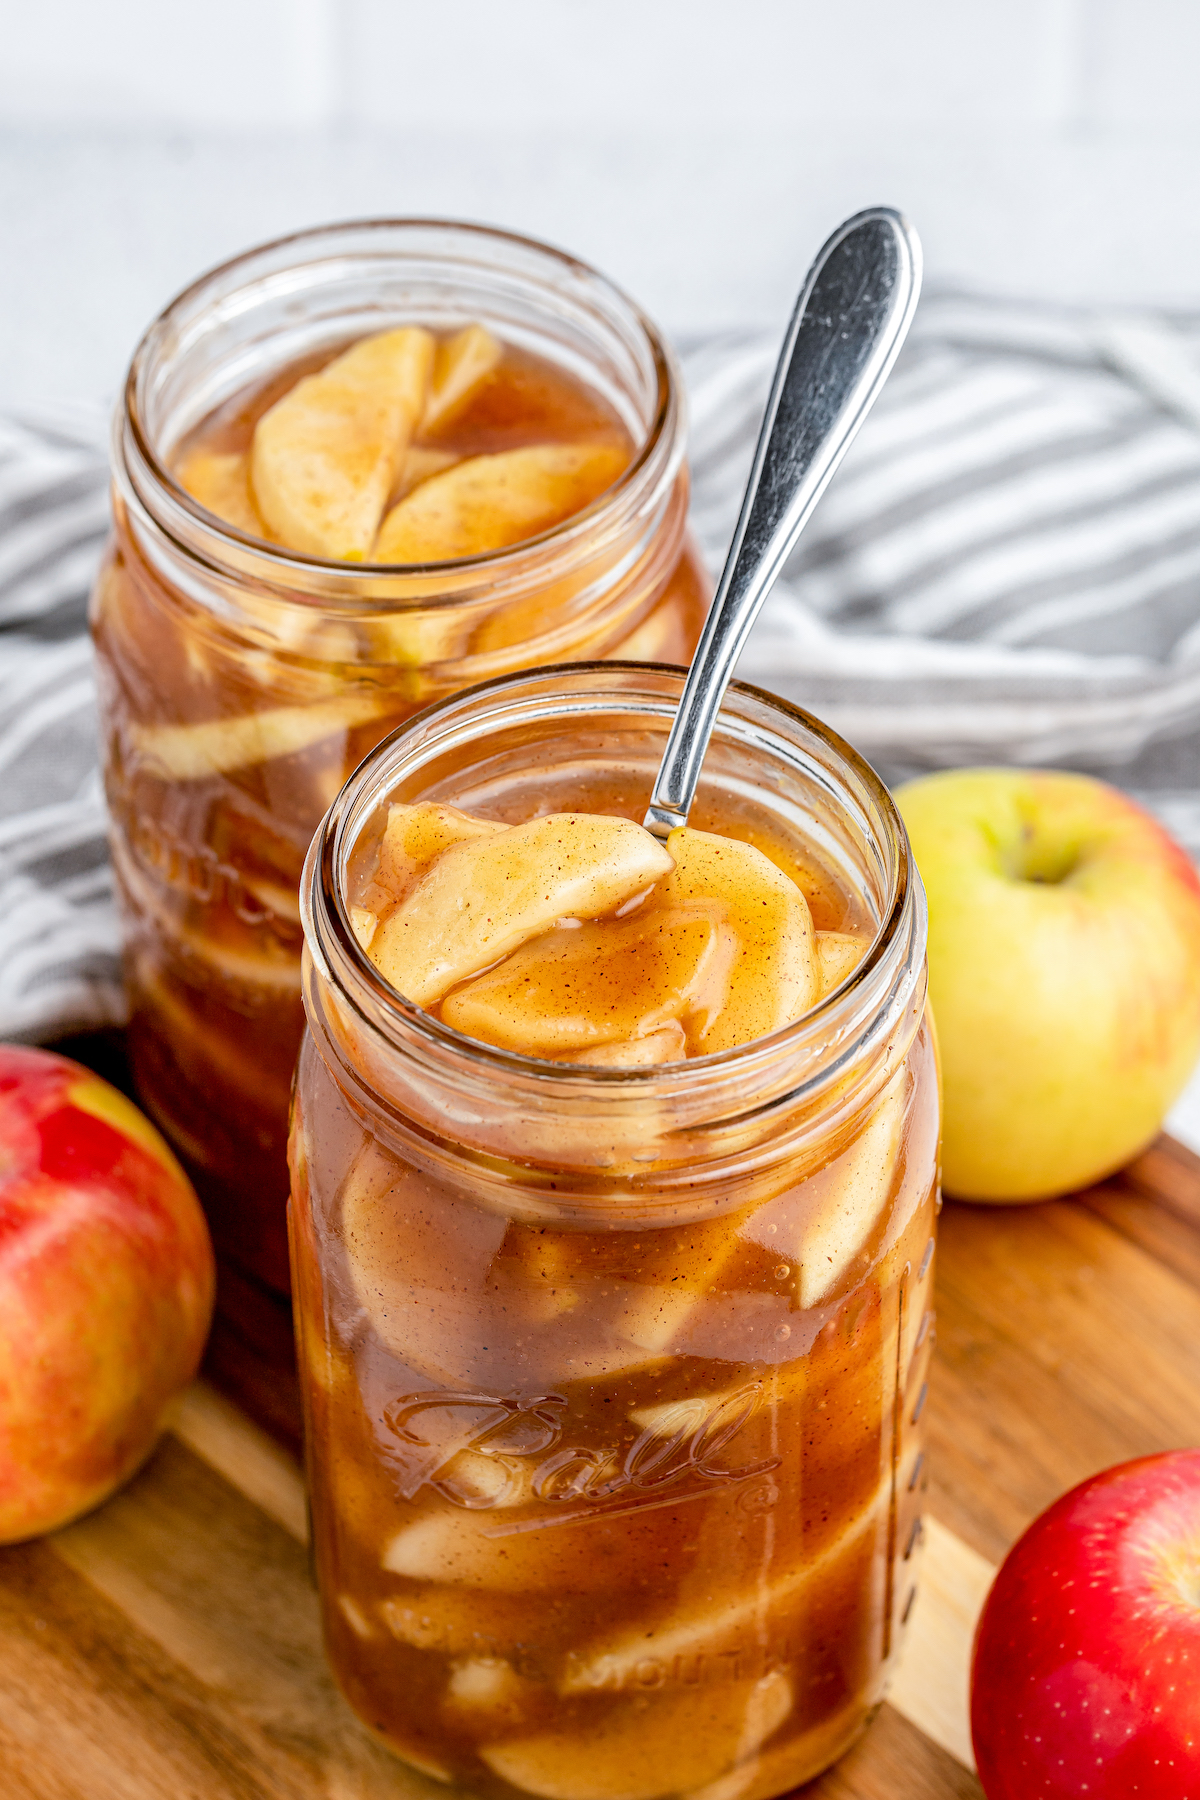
{"type": "Point", "coordinates": [167, 1647]}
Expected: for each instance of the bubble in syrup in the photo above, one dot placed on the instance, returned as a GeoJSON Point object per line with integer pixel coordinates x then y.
{"type": "Point", "coordinates": [782, 1271]}
{"type": "Point", "coordinates": [782, 1332]}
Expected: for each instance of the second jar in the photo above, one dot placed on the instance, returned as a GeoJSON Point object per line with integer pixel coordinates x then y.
{"type": "Point", "coordinates": [242, 679]}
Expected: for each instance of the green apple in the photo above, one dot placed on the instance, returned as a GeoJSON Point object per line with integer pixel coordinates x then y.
{"type": "Point", "coordinates": [1064, 970]}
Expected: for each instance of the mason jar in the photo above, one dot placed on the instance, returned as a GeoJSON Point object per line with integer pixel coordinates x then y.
{"type": "Point", "coordinates": [614, 1377]}
{"type": "Point", "coordinates": [240, 682]}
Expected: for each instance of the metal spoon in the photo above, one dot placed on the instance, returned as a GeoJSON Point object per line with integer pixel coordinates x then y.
{"type": "Point", "coordinates": [852, 316]}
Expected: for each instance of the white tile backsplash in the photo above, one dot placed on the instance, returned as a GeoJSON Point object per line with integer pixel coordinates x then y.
{"type": "Point", "coordinates": [532, 63]}
{"type": "Point", "coordinates": [1143, 63]}
{"type": "Point", "coordinates": [698, 150]}
{"type": "Point", "coordinates": [698, 63]}
{"type": "Point", "coordinates": [130, 63]}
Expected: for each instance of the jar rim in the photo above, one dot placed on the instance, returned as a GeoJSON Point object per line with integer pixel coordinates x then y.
{"type": "Point", "coordinates": [887, 974]}
{"type": "Point", "coordinates": [130, 425]}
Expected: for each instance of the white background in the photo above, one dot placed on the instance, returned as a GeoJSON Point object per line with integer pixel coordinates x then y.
{"type": "Point", "coordinates": [698, 150]}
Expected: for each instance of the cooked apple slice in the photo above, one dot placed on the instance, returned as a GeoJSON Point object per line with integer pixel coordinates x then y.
{"type": "Point", "coordinates": [677, 1418]}
{"type": "Point", "coordinates": [418, 465]}
{"type": "Point", "coordinates": [299, 653]}
{"type": "Point", "coordinates": [415, 834]}
{"type": "Point", "coordinates": [427, 1268]}
{"type": "Point", "coordinates": [474, 1478]}
{"type": "Point", "coordinates": [212, 1060]}
{"type": "Point", "coordinates": [490, 501]}
{"type": "Point", "coordinates": [457, 1621]}
{"type": "Point", "coordinates": [417, 639]}
{"type": "Point", "coordinates": [538, 1273]}
{"type": "Point", "coordinates": [647, 1744]}
{"type": "Point", "coordinates": [416, 1755]}
{"type": "Point", "coordinates": [282, 900]}
{"type": "Point", "coordinates": [455, 1546]}
{"type": "Point", "coordinates": [249, 963]}
{"type": "Point", "coordinates": [418, 1758]}
{"type": "Point", "coordinates": [623, 1324]}
{"type": "Point", "coordinates": [821, 1226]}
{"type": "Point", "coordinates": [481, 900]}
{"type": "Point", "coordinates": [355, 1617]}
{"type": "Point", "coordinates": [701, 1624]}
{"type": "Point", "coordinates": [655, 1315]}
{"type": "Point", "coordinates": [362, 923]}
{"type": "Point", "coordinates": [791, 1762]}
{"type": "Point", "coordinates": [423, 829]}
{"type": "Point", "coordinates": [329, 1368]}
{"type": "Point", "coordinates": [838, 955]}
{"type": "Point", "coordinates": [651, 641]}
{"type": "Point", "coordinates": [418, 1256]}
{"type": "Point", "coordinates": [214, 747]}
{"type": "Point", "coordinates": [487, 1694]}
{"type": "Point", "coordinates": [774, 977]}
{"type": "Point", "coordinates": [673, 1289]}
{"type": "Point", "coordinates": [668, 1044]}
{"type": "Point", "coordinates": [461, 365]}
{"type": "Point", "coordinates": [737, 1429]}
{"type": "Point", "coordinates": [222, 484]}
{"type": "Point", "coordinates": [552, 1550]}
{"type": "Point", "coordinates": [591, 984]}
{"type": "Point", "coordinates": [326, 456]}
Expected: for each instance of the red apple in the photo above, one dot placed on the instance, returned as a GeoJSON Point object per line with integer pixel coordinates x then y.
{"type": "Point", "coordinates": [1086, 1679]}
{"type": "Point", "coordinates": [106, 1289]}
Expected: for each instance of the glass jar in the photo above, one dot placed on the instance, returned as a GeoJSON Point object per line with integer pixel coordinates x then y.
{"type": "Point", "coordinates": [240, 683]}
{"type": "Point", "coordinates": [613, 1378]}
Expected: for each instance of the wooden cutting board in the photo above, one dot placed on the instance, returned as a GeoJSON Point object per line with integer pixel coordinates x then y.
{"type": "Point", "coordinates": [167, 1647]}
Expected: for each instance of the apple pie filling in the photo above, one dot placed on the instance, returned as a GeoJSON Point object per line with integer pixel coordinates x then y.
{"type": "Point", "coordinates": [580, 938]}
{"type": "Point", "coordinates": [377, 526]}
{"type": "Point", "coordinates": [614, 1446]}
{"type": "Point", "coordinates": [409, 447]}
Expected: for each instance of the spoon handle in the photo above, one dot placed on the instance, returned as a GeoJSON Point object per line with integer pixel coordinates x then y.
{"type": "Point", "coordinates": [852, 316]}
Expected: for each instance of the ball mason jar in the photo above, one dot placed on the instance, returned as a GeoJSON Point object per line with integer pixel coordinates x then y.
{"type": "Point", "coordinates": [241, 683]}
{"type": "Point", "coordinates": [613, 1378]}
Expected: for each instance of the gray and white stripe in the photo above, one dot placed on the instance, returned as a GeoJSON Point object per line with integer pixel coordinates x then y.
{"type": "Point", "coordinates": [59, 948]}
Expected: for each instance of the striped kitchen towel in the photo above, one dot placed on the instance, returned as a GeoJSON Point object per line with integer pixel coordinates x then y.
{"type": "Point", "coordinates": [1007, 566]}
{"type": "Point", "coordinates": [1005, 569]}
{"type": "Point", "coordinates": [59, 950]}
